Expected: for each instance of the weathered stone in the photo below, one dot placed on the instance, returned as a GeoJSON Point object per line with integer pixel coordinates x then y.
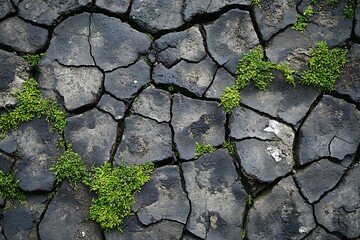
{"type": "Point", "coordinates": [196, 121]}
{"type": "Point", "coordinates": [154, 103]}
{"type": "Point", "coordinates": [22, 36]}
{"type": "Point", "coordinates": [13, 72]}
{"type": "Point", "coordinates": [331, 130]}
{"type": "Point", "coordinates": [273, 16]}
{"type": "Point", "coordinates": [195, 77]}
{"type": "Point", "coordinates": [79, 86]}
{"type": "Point", "coordinates": [339, 210]}
{"type": "Point", "coordinates": [117, 7]}
{"type": "Point", "coordinates": [6, 162]}
{"type": "Point", "coordinates": [186, 45]}
{"type": "Point", "coordinates": [92, 135]}
{"type": "Point", "coordinates": [217, 197]}
{"type": "Point", "coordinates": [197, 7]}
{"type": "Point", "coordinates": [318, 178]}
{"type": "Point", "coordinates": [133, 229]}
{"type": "Point", "coordinates": [357, 22]}
{"type": "Point", "coordinates": [348, 83]}
{"type": "Point", "coordinates": [280, 214]}
{"type": "Point", "coordinates": [70, 42]}
{"type": "Point", "coordinates": [114, 43]}
{"type": "Point", "coordinates": [144, 140]}
{"type": "Point", "coordinates": [281, 100]}
{"type": "Point", "coordinates": [20, 221]}
{"type": "Point", "coordinates": [113, 106]}
{"type": "Point", "coordinates": [163, 198]}
{"type": "Point", "coordinates": [46, 12]}
{"type": "Point", "coordinates": [5, 8]}
{"type": "Point", "coordinates": [123, 83]}
{"type": "Point", "coordinates": [66, 214]}
{"type": "Point", "coordinates": [222, 80]}
{"type": "Point", "coordinates": [231, 36]}
{"type": "Point", "coordinates": [320, 234]}
{"type": "Point", "coordinates": [154, 16]}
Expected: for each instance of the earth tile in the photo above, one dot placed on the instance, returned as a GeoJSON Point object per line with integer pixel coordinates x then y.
{"type": "Point", "coordinates": [222, 80]}
{"type": "Point", "coordinates": [320, 234]}
{"type": "Point", "coordinates": [5, 8]}
{"type": "Point", "coordinates": [115, 107]}
{"type": "Point", "coordinates": [117, 7]}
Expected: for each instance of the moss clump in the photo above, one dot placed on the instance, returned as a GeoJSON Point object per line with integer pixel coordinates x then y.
{"type": "Point", "coordinates": [33, 59]}
{"type": "Point", "coordinates": [201, 149]}
{"type": "Point", "coordinates": [230, 99]}
{"type": "Point", "coordinates": [303, 20]}
{"type": "Point", "coordinates": [9, 187]}
{"type": "Point", "coordinates": [230, 147]}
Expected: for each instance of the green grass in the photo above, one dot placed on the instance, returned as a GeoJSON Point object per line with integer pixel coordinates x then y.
{"type": "Point", "coordinates": [9, 187]}
{"type": "Point", "coordinates": [33, 59]}
{"type": "Point", "coordinates": [201, 149]}
{"type": "Point", "coordinates": [303, 20]}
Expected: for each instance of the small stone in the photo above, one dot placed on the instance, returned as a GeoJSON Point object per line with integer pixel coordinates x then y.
{"type": "Point", "coordinates": [320, 234]}
{"type": "Point", "coordinates": [113, 106]}
{"type": "Point", "coordinates": [5, 8]}
{"type": "Point", "coordinates": [117, 7]}
{"type": "Point", "coordinates": [222, 80]}
{"type": "Point", "coordinates": [6, 162]}
{"type": "Point", "coordinates": [357, 23]}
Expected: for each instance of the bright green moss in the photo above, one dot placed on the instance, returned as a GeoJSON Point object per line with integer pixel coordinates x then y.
{"type": "Point", "coordinates": [9, 187]}
{"type": "Point", "coordinates": [303, 20]}
{"type": "Point", "coordinates": [201, 149]}
{"type": "Point", "coordinates": [33, 59]}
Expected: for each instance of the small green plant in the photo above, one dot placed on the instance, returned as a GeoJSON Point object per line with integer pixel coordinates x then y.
{"type": "Point", "coordinates": [115, 188]}
{"type": "Point", "coordinates": [9, 187]}
{"type": "Point", "coordinates": [147, 60]}
{"type": "Point", "coordinates": [69, 166]}
{"type": "Point", "coordinates": [230, 99]}
{"type": "Point", "coordinates": [250, 200]}
{"type": "Point", "coordinates": [303, 20]}
{"type": "Point", "coordinates": [33, 59]}
{"type": "Point", "coordinates": [324, 67]}
{"type": "Point", "coordinates": [349, 10]}
{"type": "Point", "coordinates": [230, 147]}
{"type": "Point", "coordinates": [255, 3]}
{"type": "Point", "coordinates": [201, 149]}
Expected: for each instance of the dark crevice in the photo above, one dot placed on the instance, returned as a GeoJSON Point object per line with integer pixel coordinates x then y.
{"type": "Point", "coordinates": [183, 184]}
{"type": "Point", "coordinates": [347, 98]}
{"type": "Point", "coordinates": [204, 37]}
{"type": "Point", "coordinates": [212, 81]}
{"type": "Point", "coordinates": [119, 134]}
{"type": "Point", "coordinates": [257, 28]}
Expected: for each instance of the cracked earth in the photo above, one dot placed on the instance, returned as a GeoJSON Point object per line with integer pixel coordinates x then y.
{"type": "Point", "coordinates": [140, 80]}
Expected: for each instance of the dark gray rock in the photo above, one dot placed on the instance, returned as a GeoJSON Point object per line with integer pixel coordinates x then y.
{"type": "Point", "coordinates": [318, 178]}
{"type": "Point", "coordinates": [46, 12]}
{"type": "Point", "coordinates": [274, 16]}
{"type": "Point", "coordinates": [330, 130]}
{"type": "Point", "coordinates": [92, 135]}
{"type": "Point", "coordinates": [154, 103]}
{"type": "Point", "coordinates": [229, 37]}
{"type": "Point", "coordinates": [144, 140]}
{"type": "Point", "coordinates": [217, 197]}
{"type": "Point", "coordinates": [339, 210]}
{"type": "Point", "coordinates": [195, 77]}
{"type": "Point", "coordinates": [196, 7]}
{"type": "Point", "coordinates": [113, 106]}
{"type": "Point", "coordinates": [134, 230]}
{"type": "Point", "coordinates": [281, 100]}
{"type": "Point", "coordinates": [6, 162]}
{"type": "Point", "coordinates": [222, 80]}
{"type": "Point", "coordinates": [163, 198]}
{"type": "Point", "coordinates": [153, 16]}
{"type": "Point", "coordinates": [186, 45]}
{"type": "Point", "coordinates": [20, 221]}
{"type": "Point", "coordinates": [196, 121]}
{"type": "Point", "coordinates": [22, 36]}
{"type": "Point", "coordinates": [65, 217]}
{"type": "Point", "coordinates": [348, 83]}
{"type": "Point", "coordinates": [13, 72]}
{"type": "Point", "coordinates": [123, 83]}
{"type": "Point", "coordinates": [117, 7]}
{"type": "Point", "coordinates": [114, 43]}
{"type": "Point", "coordinates": [79, 86]}
{"type": "Point", "coordinates": [70, 42]}
{"type": "Point", "coordinates": [280, 214]}
{"type": "Point", "coordinates": [5, 8]}
{"type": "Point", "coordinates": [357, 21]}
{"type": "Point", "coordinates": [320, 234]}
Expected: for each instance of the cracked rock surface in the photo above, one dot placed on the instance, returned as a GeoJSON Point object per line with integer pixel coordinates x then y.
{"type": "Point", "coordinates": [141, 80]}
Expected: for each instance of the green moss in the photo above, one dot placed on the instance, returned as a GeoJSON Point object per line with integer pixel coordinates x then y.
{"type": "Point", "coordinates": [9, 187]}
{"type": "Point", "coordinates": [33, 59]}
{"type": "Point", "coordinates": [201, 149]}
{"type": "Point", "coordinates": [230, 99]}
{"type": "Point", "coordinates": [255, 3]}
{"type": "Point", "coordinates": [115, 188]}
{"type": "Point", "coordinates": [349, 10]}
{"type": "Point", "coordinates": [324, 67]}
{"type": "Point", "coordinates": [303, 20]}
{"type": "Point", "coordinates": [230, 147]}
{"type": "Point", "coordinates": [250, 200]}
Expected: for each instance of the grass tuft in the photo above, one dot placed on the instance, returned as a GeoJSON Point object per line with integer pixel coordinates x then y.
{"type": "Point", "coordinates": [201, 149]}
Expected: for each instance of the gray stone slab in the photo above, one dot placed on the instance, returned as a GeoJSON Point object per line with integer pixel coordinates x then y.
{"type": "Point", "coordinates": [273, 16]}
{"type": "Point", "coordinates": [6, 162]}
{"type": "Point", "coordinates": [154, 16]}
{"type": "Point", "coordinates": [114, 43]}
{"type": "Point", "coordinates": [134, 230]}
{"type": "Point", "coordinates": [318, 178]}
{"type": "Point", "coordinates": [13, 72]}
{"type": "Point", "coordinates": [357, 23]}
{"type": "Point", "coordinates": [92, 135]}
{"type": "Point", "coordinates": [22, 36]}
{"type": "Point", "coordinates": [339, 210]}
{"type": "Point", "coordinates": [185, 45]}
{"type": "Point", "coordinates": [124, 83]}
{"type": "Point", "coordinates": [5, 8]}
{"type": "Point", "coordinates": [195, 77]}
{"type": "Point", "coordinates": [230, 37]}
{"type": "Point", "coordinates": [196, 121]}
{"type": "Point", "coordinates": [154, 103]}
{"type": "Point", "coordinates": [66, 216]}
{"type": "Point", "coordinates": [280, 214]}
{"type": "Point", "coordinates": [197, 7]}
{"type": "Point", "coordinates": [222, 80]}
{"type": "Point", "coordinates": [320, 234]}
{"type": "Point", "coordinates": [332, 129]}
{"type": "Point", "coordinates": [20, 221]}
{"type": "Point", "coordinates": [79, 86]}
{"type": "Point", "coordinates": [144, 140]}
{"type": "Point", "coordinates": [217, 197]}
{"type": "Point", "coordinates": [348, 82]}
{"type": "Point", "coordinates": [117, 7]}
{"type": "Point", "coordinates": [69, 44]}
{"type": "Point", "coordinates": [46, 12]}
{"type": "Point", "coordinates": [113, 106]}
{"type": "Point", "coordinates": [163, 198]}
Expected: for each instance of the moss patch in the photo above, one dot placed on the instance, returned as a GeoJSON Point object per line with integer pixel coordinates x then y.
{"type": "Point", "coordinates": [9, 187]}
{"type": "Point", "coordinates": [201, 149]}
